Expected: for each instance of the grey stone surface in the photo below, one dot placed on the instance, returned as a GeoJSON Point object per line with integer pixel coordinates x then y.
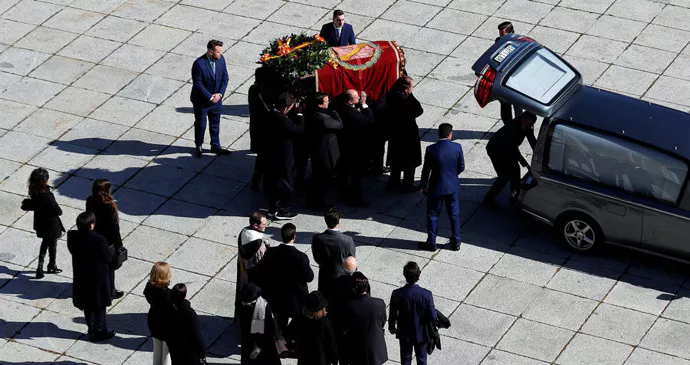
{"type": "Point", "coordinates": [535, 340]}
{"type": "Point", "coordinates": [64, 117]}
{"type": "Point", "coordinates": [618, 324]}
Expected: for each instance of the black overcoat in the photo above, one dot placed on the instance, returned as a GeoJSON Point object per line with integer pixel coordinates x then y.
{"type": "Point", "coordinates": [269, 354]}
{"type": "Point", "coordinates": [186, 343]}
{"type": "Point", "coordinates": [283, 274]}
{"type": "Point", "coordinates": [404, 147]}
{"type": "Point", "coordinates": [47, 212]}
{"type": "Point", "coordinates": [283, 132]}
{"type": "Point", "coordinates": [322, 126]}
{"type": "Point", "coordinates": [107, 224]}
{"type": "Point", "coordinates": [258, 120]}
{"type": "Point", "coordinates": [161, 312]}
{"type": "Point", "coordinates": [364, 320]}
{"type": "Point", "coordinates": [315, 341]}
{"type": "Point", "coordinates": [357, 136]}
{"type": "Point", "coordinates": [91, 258]}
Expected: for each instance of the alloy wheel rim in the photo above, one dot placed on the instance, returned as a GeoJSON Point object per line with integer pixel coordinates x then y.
{"type": "Point", "coordinates": [579, 235]}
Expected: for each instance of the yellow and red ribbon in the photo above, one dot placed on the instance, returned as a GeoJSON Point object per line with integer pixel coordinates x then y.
{"type": "Point", "coordinates": [285, 49]}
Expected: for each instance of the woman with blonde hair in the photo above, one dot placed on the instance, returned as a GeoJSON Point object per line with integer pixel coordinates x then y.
{"type": "Point", "coordinates": [102, 204]}
{"type": "Point", "coordinates": [161, 313]}
{"type": "Point", "coordinates": [47, 223]}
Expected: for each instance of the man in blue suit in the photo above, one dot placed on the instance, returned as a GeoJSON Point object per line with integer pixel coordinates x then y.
{"type": "Point", "coordinates": [338, 33]}
{"type": "Point", "coordinates": [210, 77]}
{"type": "Point", "coordinates": [411, 308]}
{"type": "Point", "coordinates": [443, 162]}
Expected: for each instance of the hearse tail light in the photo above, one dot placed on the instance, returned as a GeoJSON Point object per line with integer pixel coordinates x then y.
{"type": "Point", "coordinates": [482, 88]}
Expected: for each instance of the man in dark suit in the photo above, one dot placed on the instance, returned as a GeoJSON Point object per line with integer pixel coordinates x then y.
{"type": "Point", "coordinates": [283, 131]}
{"type": "Point", "coordinates": [411, 308]}
{"type": "Point", "coordinates": [358, 122]}
{"type": "Point", "coordinates": [283, 274]}
{"type": "Point", "coordinates": [338, 33]}
{"type": "Point", "coordinates": [210, 79]}
{"type": "Point", "coordinates": [330, 249]}
{"type": "Point", "coordinates": [322, 126]}
{"type": "Point", "coordinates": [365, 318]}
{"type": "Point", "coordinates": [443, 162]}
{"type": "Point", "coordinates": [91, 289]}
{"type": "Point", "coordinates": [343, 290]}
{"type": "Point", "coordinates": [504, 152]}
{"type": "Point", "coordinates": [258, 122]}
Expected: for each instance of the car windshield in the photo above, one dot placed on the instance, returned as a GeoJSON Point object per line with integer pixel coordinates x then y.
{"type": "Point", "coordinates": [542, 76]}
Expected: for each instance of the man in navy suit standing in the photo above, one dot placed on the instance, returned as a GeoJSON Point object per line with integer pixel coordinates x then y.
{"type": "Point", "coordinates": [443, 162]}
{"type": "Point", "coordinates": [210, 77]}
{"type": "Point", "coordinates": [411, 308]}
{"type": "Point", "coordinates": [338, 33]}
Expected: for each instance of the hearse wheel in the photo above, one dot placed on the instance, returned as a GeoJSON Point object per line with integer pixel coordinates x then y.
{"type": "Point", "coordinates": [580, 232]}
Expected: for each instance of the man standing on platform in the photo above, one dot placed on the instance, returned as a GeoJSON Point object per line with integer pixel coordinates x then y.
{"type": "Point", "coordinates": [210, 79]}
{"type": "Point", "coordinates": [338, 33]}
{"type": "Point", "coordinates": [443, 162]}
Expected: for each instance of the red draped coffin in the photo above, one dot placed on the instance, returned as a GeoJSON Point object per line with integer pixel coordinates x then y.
{"type": "Point", "coordinates": [372, 67]}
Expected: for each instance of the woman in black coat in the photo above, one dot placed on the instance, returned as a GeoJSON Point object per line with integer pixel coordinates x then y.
{"type": "Point", "coordinates": [404, 147]}
{"type": "Point", "coordinates": [161, 312]}
{"type": "Point", "coordinates": [313, 334]}
{"type": "Point", "coordinates": [187, 346]}
{"type": "Point", "coordinates": [102, 204]}
{"type": "Point", "coordinates": [47, 223]}
{"type": "Point", "coordinates": [91, 290]}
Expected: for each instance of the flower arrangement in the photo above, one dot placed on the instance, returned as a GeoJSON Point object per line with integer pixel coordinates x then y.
{"type": "Point", "coordinates": [295, 56]}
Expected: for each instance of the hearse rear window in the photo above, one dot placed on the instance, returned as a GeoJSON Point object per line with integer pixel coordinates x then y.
{"type": "Point", "coordinates": [616, 163]}
{"type": "Point", "coordinates": [541, 77]}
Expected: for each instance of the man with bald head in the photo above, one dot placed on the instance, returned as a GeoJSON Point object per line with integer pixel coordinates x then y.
{"type": "Point", "coordinates": [343, 292]}
{"type": "Point", "coordinates": [358, 122]}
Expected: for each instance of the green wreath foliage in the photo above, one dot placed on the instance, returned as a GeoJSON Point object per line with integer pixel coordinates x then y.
{"type": "Point", "coordinates": [300, 63]}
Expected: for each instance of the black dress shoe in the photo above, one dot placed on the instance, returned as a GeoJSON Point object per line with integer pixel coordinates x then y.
{"type": "Point", "coordinates": [102, 336]}
{"type": "Point", "coordinates": [426, 246]}
{"type": "Point", "coordinates": [198, 152]}
{"type": "Point", "coordinates": [39, 273]}
{"type": "Point", "coordinates": [117, 294]}
{"type": "Point", "coordinates": [220, 151]}
{"type": "Point", "coordinates": [53, 270]}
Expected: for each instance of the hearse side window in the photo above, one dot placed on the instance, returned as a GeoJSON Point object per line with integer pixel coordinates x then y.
{"type": "Point", "coordinates": [541, 77]}
{"type": "Point", "coordinates": [616, 163]}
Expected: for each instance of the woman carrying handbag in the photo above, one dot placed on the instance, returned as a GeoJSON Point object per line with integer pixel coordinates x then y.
{"type": "Point", "coordinates": [47, 223]}
{"type": "Point", "coordinates": [102, 204]}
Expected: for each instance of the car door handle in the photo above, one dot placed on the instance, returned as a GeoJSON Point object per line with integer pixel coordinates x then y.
{"type": "Point", "coordinates": [616, 209]}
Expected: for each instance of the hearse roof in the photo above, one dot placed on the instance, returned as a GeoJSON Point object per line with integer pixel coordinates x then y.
{"type": "Point", "coordinates": [656, 125]}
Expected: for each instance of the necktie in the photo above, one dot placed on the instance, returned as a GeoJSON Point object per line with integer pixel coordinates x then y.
{"type": "Point", "coordinates": [213, 67]}
{"type": "Point", "coordinates": [337, 33]}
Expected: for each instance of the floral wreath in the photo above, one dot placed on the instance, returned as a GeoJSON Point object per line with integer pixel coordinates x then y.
{"type": "Point", "coordinates": [296, 56]}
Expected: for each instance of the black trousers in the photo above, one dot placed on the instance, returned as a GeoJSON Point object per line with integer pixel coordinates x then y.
{"type": "Point", "coordinates": [281, 191]}
{"type": "Point", "coordinates": [49, 245]}
{"type": "Point", "coordinates": [322, 190]}
{"type": "Point", "coordinates": [406, 352]}
{"type": "Point", "coordinates": [95, 320]}
{"type": "Point", "coordinates": [260, 166]}
{"type": "Point", "coordinates": [508, 170]}
{"type": "Point", "coordinates": [408, 178]}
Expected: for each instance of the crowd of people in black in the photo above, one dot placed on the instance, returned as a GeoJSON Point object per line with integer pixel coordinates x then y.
{"type": "Point", "coordinates": [340, 323]}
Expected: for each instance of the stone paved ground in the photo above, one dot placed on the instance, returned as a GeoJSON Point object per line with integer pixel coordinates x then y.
{"type": "Point", "coordinates": [93, 88]}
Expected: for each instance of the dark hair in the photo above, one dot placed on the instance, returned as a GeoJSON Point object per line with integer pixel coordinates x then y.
{"type": "Point", "coordinates": [255, 217]}
{"type": "Point", "coordinates": [507, 26]}
{"type": "Point", "coordinates": [178, 293]}
{"type": "Point", "coordinates": [529, 115]}
{"type": "Point", "coordinates": [361, 283]}
{"type": "Point", "coordinates": [285, 99]}
{"type": "Point", "coordinates": [401, 84]}
{"type": "Point", "coordinates": [411, 272]}
{"type": "Point", "coordinates": [213, 43]}
{"type": "Point", "coordinates": [338, 12]}
{"type": "Point", "coordinates": [444, 130]}
{"type": "Point", "coordinates": [288, 232]}
{"type": "Point", "coordinates": [38, 182]}
{"type": "Point", "coordinates": [318, 98]}
{"type": "Point", "coordinates": [101, 190]}
{"type": "Point", "coordinates": [85, 220]}
{"type": "Point", "coordinates": [332, 217]}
